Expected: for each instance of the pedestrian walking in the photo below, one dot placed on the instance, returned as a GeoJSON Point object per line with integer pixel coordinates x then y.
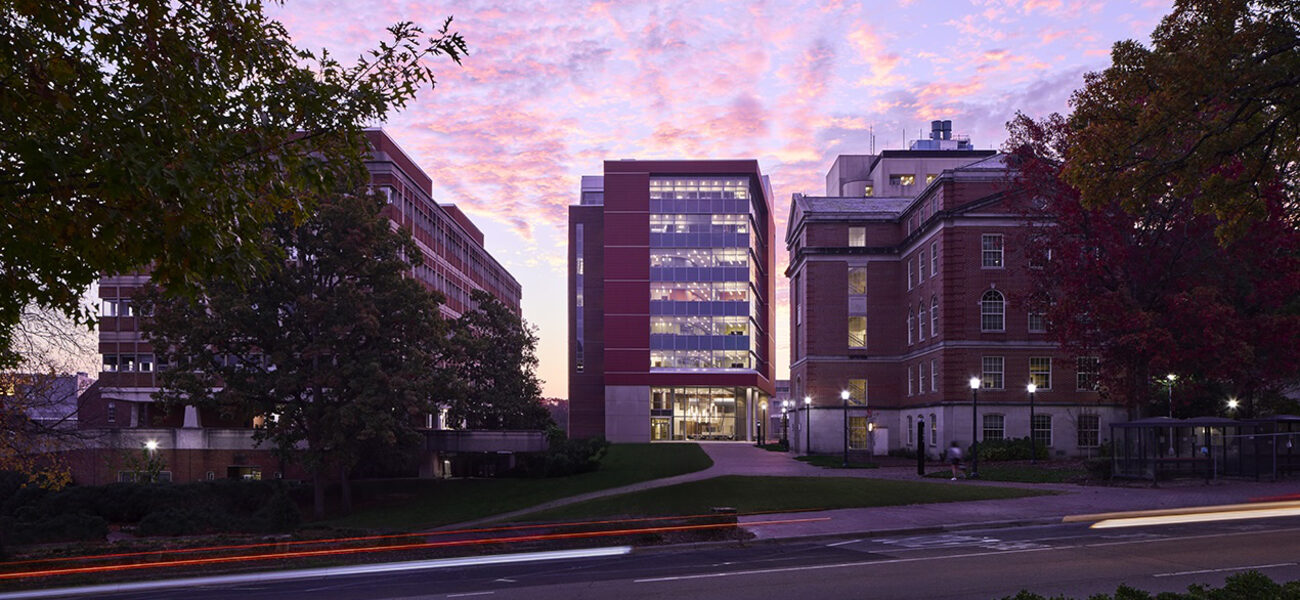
{"type": "Point", "coordinates": [954, 459]}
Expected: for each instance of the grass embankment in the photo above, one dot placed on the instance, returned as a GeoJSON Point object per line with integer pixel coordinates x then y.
{"type": "Point", "coordinates": [757, 494]}
{"type": "Point", "coordinates": [414, 504]}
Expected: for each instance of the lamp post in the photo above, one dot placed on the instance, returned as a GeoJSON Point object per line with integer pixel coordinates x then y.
{"type": "Point", "coordinates": [1171, 378]}
{"type": "Point", "coordinates": [762, 424]}
{"type": "Point", "coordinates": [844, 402]}
{"type": "Point", "coordinates": [1033, 445]}
{"type": "Point", "coordinates": [974, 422]}
{"type": "Point", "coordinates": [785, 422]}
{"type": "Point", "coordinates": [807, 425]}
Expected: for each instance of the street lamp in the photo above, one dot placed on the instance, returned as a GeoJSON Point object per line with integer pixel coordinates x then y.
{"type": "Point", "coordinates": [1233, 404]}
{"type": "Point", "coordinates": [151, 445]}
{"type": "Point", "coordinates": [786, 405]}
{"type": "Point", "coordinates": [974, 418]}
{"type": "Point", "coordinates": [762, 429]}
{"type": "Point", "coordinates": [1171, 378]}
{"type": "Point", "coordinates": [807, 425]}
{"type": "Point", "coordinates": [844, 402]}
{"type": "Point", "coordinates": [1033, 445]}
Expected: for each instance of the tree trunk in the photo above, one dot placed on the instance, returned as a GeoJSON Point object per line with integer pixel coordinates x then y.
{"type": "Point", "coordinates": [318, 494]}
{"type": "Point", "coordinates": [345, 489]}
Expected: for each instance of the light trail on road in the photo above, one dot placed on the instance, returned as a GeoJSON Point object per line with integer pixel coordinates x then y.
{"type": "Point", "coordinates": [388, 548]}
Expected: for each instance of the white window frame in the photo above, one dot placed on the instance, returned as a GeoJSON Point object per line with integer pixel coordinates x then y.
{"type": "Point", "coordinates": [992, 251]}
{"type": "Point", "coordinates": [911, 281]}
{"type": "Point", "coordinates": [910, 317]}
{"type": "Point", "coordinates": [934, 316]}
{"type": "Point", "coordinates": [1080, 374]}
{"type": "Point", "coordinates": [1094, 431]}
{"type": "Point", "coordinates": [934, 375]}
{"type": "Point", "coordinates": [1001, 426]}
{"type": "Point", "coordinates": [1041, 379]}
{"type": "Point", "coordinates": [857, 237]}
{"type": "Point", "coordinates": [1037, 322]}
{"type": "Point", "coordinates": [1034, 430]}
{"type": "Point", "coordinates": [920, 266]}
{"type": "Point", "coordinates": [934, 259]}
{"type": "Point", "coordinates": [992, 372]}
{"type": "Point", "coordinates": [993, 305]}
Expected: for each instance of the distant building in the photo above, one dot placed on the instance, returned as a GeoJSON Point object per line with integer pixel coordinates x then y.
{"type": "Point", "coordinates": [907, 280]}
{"type": "Point", "coordinates": [203, 444]}
{"type": "Point", "coordinates": [671, 301]}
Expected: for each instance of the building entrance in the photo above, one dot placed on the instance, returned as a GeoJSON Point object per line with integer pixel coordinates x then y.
{"type": "Point", "coordinates": [661, 428]}
{"type": "Point", "coordinates": [698, 413]}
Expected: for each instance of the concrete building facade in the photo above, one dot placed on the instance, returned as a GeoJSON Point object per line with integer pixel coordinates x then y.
{"type": "Point", "coordinates": [202, 444]}
{"type": "Point", "coordinates": [907, 280]}
{"type": "Point", "coordinates": [671, 301]}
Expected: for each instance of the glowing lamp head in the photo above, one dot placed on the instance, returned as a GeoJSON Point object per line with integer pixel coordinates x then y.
{"type": "Point", "coordinates": [1171, 377]}
{"type": "Point", "coordinates": [974, 383]}
{"type": "Point", "coordinates": [844, 395]}
{"type": "Point", "coordinates": [1233, 403]}
{"type": "Point", "coordinates": [807, 399]}
{"type": "Point", "coordinates": [1032, 388]}
{"type": "Point", "coordinates": [763, 405]}
{"type": "Point", "coordinates": [151, 445]}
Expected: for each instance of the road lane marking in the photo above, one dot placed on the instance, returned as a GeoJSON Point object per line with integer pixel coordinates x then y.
{"type": "Point", "coordinates": [842, 543]}
{"type": "Point", "coordinates": [1225, 569]}
{"type": "Point", "coordinates": [929, 558]}
{"type": "Point", "coordinates": [263, 577]}
{"type": "Point", "coordinates": [469, 594]}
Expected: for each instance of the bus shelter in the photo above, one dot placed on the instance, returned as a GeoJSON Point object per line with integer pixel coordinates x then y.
{"type": "Point", "coordinates": [1206, 447]}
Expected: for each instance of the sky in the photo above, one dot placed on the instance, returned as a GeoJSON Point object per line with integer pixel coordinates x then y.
{"type": "Point", "coordinates": [552, 88]}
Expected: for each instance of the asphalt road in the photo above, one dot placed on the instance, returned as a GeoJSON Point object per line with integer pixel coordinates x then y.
{"type": "Point", "coordinates": [978, 564]}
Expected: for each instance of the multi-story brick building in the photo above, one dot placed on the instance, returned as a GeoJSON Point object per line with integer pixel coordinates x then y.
{"type": "Point", "coordinates": [199, 444]}
{"type": "Point", "coordinates": [906, 281]}
{"type": "Point", "coordinates": [671, 302]}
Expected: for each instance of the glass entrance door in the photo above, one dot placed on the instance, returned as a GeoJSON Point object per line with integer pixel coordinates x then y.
{"type": "Point", "coordinates": [661, 428]}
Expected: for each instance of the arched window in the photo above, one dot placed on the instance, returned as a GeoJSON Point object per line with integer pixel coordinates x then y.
{"type": "Point", "coordinates": [992, 311]}
{"type": "Point", "coordinates": [934, 316]}
{"type": "Point", "coordinates": [910, 318]}
{"type": "Point", "coordinates": [920, 321]}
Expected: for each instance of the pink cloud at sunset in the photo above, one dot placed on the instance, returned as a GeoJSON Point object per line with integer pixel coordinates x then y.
{"type": "Point", "coordinates": [552, 88]}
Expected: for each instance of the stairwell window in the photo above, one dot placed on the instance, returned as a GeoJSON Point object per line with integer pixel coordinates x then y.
{"type": "Point", "coordinates": [857, 237]}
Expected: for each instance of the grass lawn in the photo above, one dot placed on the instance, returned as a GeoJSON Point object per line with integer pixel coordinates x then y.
{"type": "Point", "coordinates": [753, 494]}
{"type": "Point", "coordinates": [1024, 472]}
{"type": "Point", "coordinates": [414, 504]}
{"type": "Point", "coordinates": [835, 462]}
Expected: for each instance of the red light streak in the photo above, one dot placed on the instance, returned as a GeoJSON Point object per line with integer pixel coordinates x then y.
{"type": "Point", "coordinates": [365, 538]}
{"type": "Point", "coordinates": [372, 549]}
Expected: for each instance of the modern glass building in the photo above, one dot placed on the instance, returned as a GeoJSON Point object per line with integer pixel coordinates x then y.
{"type": "Point", "coordinates": [671, 282]}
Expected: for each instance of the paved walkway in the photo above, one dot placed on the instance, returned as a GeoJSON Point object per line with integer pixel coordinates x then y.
{"type": "Point", "coordinates": [733, 458]}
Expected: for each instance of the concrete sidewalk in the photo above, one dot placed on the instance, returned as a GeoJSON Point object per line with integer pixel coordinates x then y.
{"type": "Point", "coordinates": [735, 458]}
{"type": "Point", "coordinates": [1069, 500]}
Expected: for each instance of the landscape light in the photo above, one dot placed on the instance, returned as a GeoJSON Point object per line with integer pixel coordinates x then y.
{"type": "Point", "coordinates": [151, 445]}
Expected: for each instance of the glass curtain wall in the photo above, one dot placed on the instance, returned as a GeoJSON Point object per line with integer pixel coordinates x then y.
{"type": "Point", "coordinates": [698, 413]}
{"type": "Point", "coordinates": [702, 303]}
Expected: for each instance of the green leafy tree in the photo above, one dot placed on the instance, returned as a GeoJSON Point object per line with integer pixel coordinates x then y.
{"type": "Point", "coordinates": [165, 135]}
{"type": "Point", "coordinates": [495, 361]}
{"type": "Point", "coordinates": [332, 350]}
{"type": "Point", "coordinates": [1209, 113]}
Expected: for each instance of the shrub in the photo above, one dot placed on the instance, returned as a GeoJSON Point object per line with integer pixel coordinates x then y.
{"type": "Point", "coordinates": [1250, 585]}
{"type": "Point", "coordinates": [1009, 449]}
{"type": "Point", "coordinates": [59, 528]}
{"type": "Point", "coordinates": [903, 453]}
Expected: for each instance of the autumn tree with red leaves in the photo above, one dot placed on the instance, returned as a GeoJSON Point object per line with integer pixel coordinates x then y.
{"type": "Point", "coordinates": [1156, 292]}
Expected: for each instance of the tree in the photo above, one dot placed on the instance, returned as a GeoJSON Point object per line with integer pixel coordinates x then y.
{"type": "Point", "coordinates": [332, 350]}
{"type": "Point", "coordinates": [38, 397]}
{"type": "Point", "coordinates": [495, 361]}
{"type": "Point", "coordinates": [1209, 113]}
{"type": "Point", "coordinates": [165, 135]}
{"type": "Point", "coordinates": [1155, 292]}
